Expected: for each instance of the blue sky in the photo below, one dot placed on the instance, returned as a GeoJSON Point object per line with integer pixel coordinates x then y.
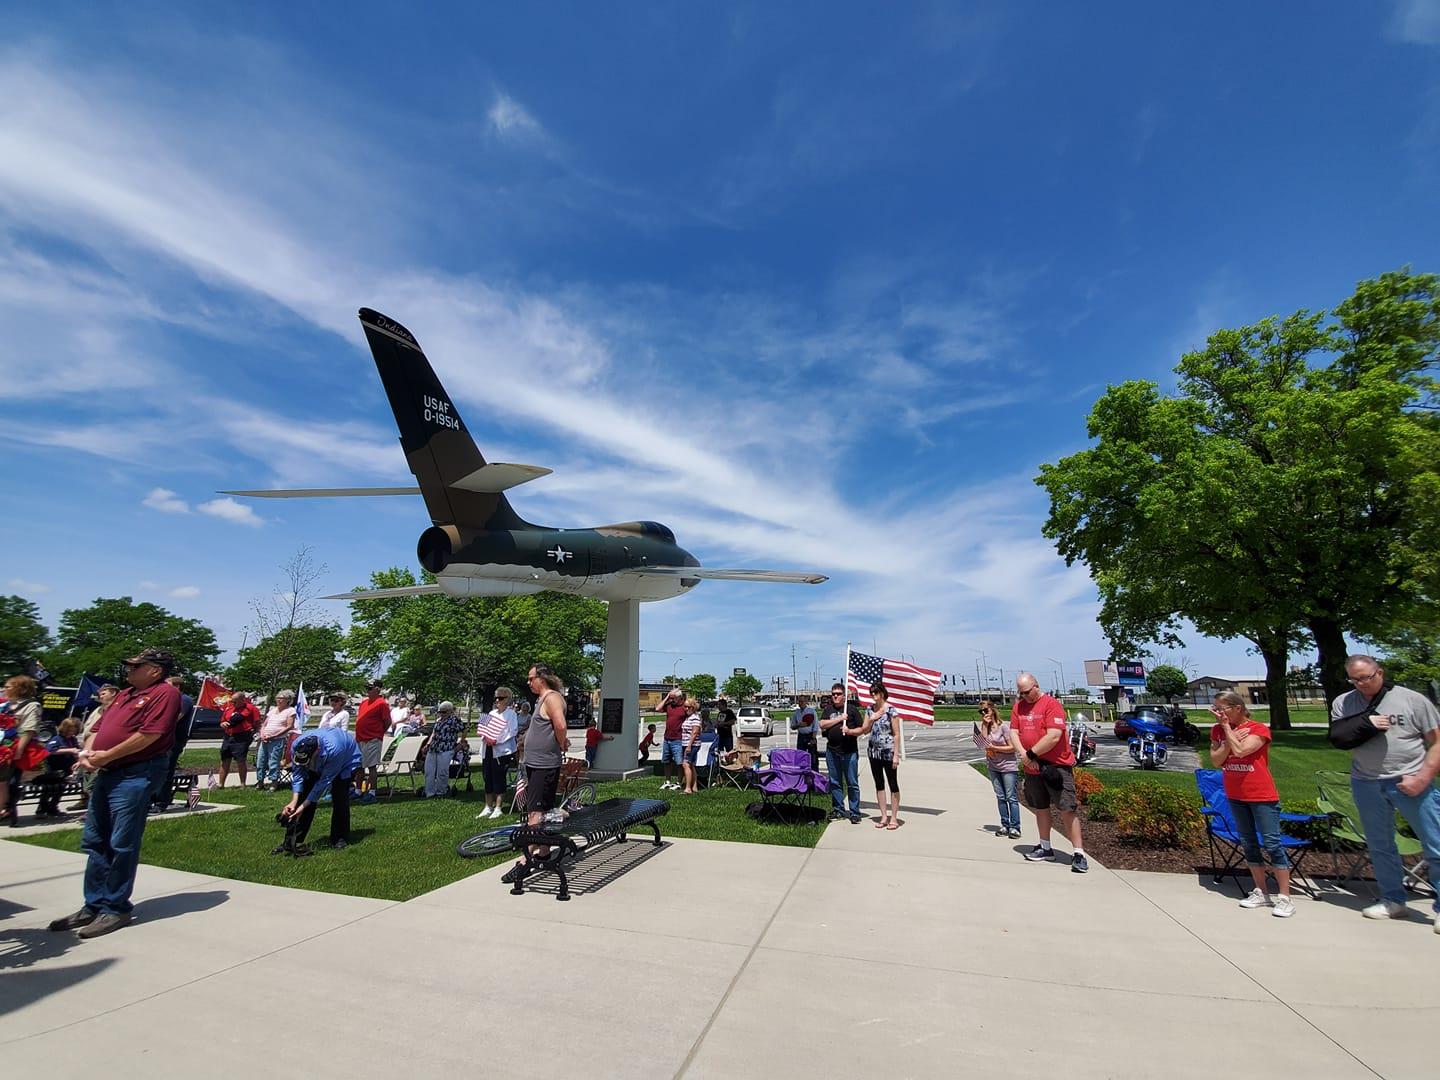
{"type": "Point", "coordinates": [820, 286]}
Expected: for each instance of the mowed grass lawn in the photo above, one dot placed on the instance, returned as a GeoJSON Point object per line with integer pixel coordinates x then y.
{"type": "Point", "coordinates": [404, 846]}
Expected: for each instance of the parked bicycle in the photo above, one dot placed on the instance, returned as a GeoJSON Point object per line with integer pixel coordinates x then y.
{"type": "Point", "coordinates": [577, 794]}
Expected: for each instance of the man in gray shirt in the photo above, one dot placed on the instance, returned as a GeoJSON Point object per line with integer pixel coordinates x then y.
{"type": "Point", "coordinates": [1393, 770]}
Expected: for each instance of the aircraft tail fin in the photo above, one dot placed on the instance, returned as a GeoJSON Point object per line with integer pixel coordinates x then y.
{"type": "Point", "coordinates": [437, 445]}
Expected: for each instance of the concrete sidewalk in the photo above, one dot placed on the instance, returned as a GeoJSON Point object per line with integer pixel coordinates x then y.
{"type": "Point", "coordinates": [929, 951]}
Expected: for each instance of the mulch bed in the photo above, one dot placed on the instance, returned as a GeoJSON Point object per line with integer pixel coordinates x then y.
{"type": "Point", "coordinates": [1102, 841]}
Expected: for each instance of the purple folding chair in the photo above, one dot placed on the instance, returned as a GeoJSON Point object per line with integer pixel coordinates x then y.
{"type": "Point", "coordinates": [786, 786]}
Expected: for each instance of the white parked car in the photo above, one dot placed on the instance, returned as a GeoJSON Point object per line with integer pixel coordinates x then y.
{"type": "Point", "coordinates": [753, 720]}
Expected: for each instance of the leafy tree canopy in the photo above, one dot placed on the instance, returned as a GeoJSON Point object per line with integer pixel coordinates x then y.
{"type": "Point", "coordinates": [22, 635]}
{"type": "Point", "coordinates": [1290, 488]}
{"type": "Point", "coordinates": [699, 685]}
{"type": "Point", "coordinates": [438, 646]}
{"type": "Point", "coordinates": [99, 637]}
{"type": "Point", "coordinates": [310, 655]}
{"type": "Point", "coordinates": [1167, 681]}
{"type": "Point", "coordinates": [741, 687]}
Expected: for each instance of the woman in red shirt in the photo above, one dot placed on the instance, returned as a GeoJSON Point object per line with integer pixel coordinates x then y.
{"type": "Point", "coordinates": [1241, 748]}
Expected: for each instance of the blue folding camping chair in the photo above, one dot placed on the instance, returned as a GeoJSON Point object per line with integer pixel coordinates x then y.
{"type": "Point", "coordinates": [1225, 841]}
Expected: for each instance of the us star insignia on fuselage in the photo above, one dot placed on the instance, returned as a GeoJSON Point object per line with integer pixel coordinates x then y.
{"type": "Point", "coordinates": [477, 545]}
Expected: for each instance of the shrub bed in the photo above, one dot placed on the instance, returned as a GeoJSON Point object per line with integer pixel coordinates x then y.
{"type": "Point", "coordinates": [1157, 816]}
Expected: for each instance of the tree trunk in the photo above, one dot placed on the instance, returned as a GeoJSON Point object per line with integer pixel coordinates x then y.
{"type": "Point", "coordinates": [1330, 641]}
{"type": "Point", "coordinates": [1277, 676]}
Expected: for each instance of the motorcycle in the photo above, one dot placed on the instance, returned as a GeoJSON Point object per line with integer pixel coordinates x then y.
{"type": "Point", "coordinates": [1147, 745]}
{"type": "Point", "coordinates": [1082, 743]}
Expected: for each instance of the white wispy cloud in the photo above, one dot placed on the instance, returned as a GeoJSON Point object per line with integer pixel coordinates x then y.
{"type": "Point", "coordinates": [1416, 22]}
{"type": "Point", "coordinates": [107, 170]}
{"type": "Point", "coordinates": [34, 588]}
{"type": "Point", "coordinates": [508, 117]}
{"type": "Point", "coordinates": [227, 509]}
{"type": "Point", "coordinates": [184, 592]}
{"type": "Point", "coordinates": [166, 501]}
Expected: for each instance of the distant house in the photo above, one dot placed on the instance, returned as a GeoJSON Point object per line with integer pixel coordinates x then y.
{"type": "Point", "coordinates": [1251, 687]}
{"type": "Point", "coordinates": [1203, 690]}
{"type": "Point", "coordinates": [651, 694]}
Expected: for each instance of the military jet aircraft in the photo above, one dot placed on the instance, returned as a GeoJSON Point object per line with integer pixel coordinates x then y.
{"type": "Point", "coordinates": [477, 545]}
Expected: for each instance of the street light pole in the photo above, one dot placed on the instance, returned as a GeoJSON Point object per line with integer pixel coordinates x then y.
{"type": "Point", "coordinates": [673, 666]}
{"type": "Point", "coordinates": [1063, 688]}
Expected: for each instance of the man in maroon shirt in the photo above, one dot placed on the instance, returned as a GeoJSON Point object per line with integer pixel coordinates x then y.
{"type": "Point", "coordinates": [672, 750]}
{"type": "Point", "coordinates": [128, 753]}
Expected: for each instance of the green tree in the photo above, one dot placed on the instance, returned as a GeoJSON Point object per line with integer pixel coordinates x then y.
{"type": "Point", "coordinates": [1289, 490]}
{"type": "Point", "coordinates": [22, 635]}
{"type": "Point", "coordinates": [741, 687]}
{"type": "Point", "coordinates": [312, 655]}
{"type": "Point", "coordinates": [438, 646]}
{"type": "Point", "coordinates": [1411, 656]}
{"type": "Point", "coordinates": [1166, 681]}
{"type": "Point", "coordinates": [99, 637]}
{"type": "Point", "coordinates": [699, 685]}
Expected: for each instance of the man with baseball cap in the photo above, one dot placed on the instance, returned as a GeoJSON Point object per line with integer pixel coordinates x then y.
{"type": "Point", "coordinates": [321, 760]}
{"type": "Point", "coordinates": [127, 753]}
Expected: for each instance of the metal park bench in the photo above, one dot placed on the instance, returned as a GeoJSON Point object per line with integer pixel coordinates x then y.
{"type": "Point", "coordinates": [70, 786]}
{"type": "Point", "coordinates": [583, 831]}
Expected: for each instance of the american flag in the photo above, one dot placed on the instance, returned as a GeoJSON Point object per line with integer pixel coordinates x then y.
{"type": "Point", "coordinates": [492, 727]}
{"type": "Point", "coordinates": [912, 688]}
{"type": "Point", "coordinates": [302, 710]}
{"type": "Point", "coordinates": [192, 796]}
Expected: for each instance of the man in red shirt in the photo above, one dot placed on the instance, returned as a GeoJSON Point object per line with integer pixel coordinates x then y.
{"type": "Point", "coordinates": [1037, 722]}
{"type": "Point", "coordinates": [128, 753]}
{"type": "Point", "coordinates": [372, 720]}
{"type": "Point", "coordinates": [239, 720]}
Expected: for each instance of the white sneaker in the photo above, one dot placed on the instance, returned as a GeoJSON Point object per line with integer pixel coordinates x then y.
{"type": "Point", "coordinates": [1384, 909]}
{"type": "Point", "coordinates": [1284, 908]}
{"type": "Point", "coordinates": [1257, 898]}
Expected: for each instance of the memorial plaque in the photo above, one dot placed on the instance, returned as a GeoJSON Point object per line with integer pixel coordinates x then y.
{"type": "Point", "coordinates": [612, 716]}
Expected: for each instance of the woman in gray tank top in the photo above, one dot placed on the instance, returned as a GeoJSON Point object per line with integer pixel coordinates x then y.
{"type": "Point", "coordinates": [545, 747]}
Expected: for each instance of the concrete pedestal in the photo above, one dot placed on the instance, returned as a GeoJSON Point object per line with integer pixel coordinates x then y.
{"type": "Point", "coordinates": [620, 683]}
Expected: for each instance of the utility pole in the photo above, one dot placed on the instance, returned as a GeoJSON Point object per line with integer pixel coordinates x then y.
{"type": "Point", "coordinates": [794, 676]}
{"type": "Point", "coordinates": [1063, 688]}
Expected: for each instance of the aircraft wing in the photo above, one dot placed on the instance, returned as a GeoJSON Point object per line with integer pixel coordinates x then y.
{"type": "Point", "coordinates": [322, 493]}
{"type": "Point", "coordinates": [710, 573]}
{"type": "Point", "coordinates": [385, 594]}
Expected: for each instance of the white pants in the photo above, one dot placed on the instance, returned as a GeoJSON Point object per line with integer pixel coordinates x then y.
{"type": "Point", "coordinates": [437, 773]}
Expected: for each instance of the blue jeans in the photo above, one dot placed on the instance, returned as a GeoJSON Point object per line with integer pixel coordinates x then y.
{"type": "Point", "coordinates": [844, 767]}
{"type": "Point", "coordinates": [268, 758]}
{"type": "Point", "coordinates": [1262, 818]}
{"type": "Point", "coordinates": [672, 750]}
{"type": "Point", "coordinates": [1006, 785]}
{"type": "Point", "coordinates": [1377, 801]}
{"type": "Point", "coordinates": [114, 826]}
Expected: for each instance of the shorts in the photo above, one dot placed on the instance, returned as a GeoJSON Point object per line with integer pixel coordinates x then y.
{"type": "Point", "coordinates": [672, 750]}
{"type": "Point", "coordinates": [540, 787]}
{"type": "Point", "coordinates": [1041, 796]}
{"type": "Point", "coordinates": [371, 751]}
{"type": "Point", "coordinates": [236, 746]}
{"type": "Point", "coordinates": [690, 753]}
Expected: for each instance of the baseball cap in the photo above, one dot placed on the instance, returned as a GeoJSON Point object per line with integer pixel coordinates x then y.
{"type": "Point", "coordinates": [161, 657]}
